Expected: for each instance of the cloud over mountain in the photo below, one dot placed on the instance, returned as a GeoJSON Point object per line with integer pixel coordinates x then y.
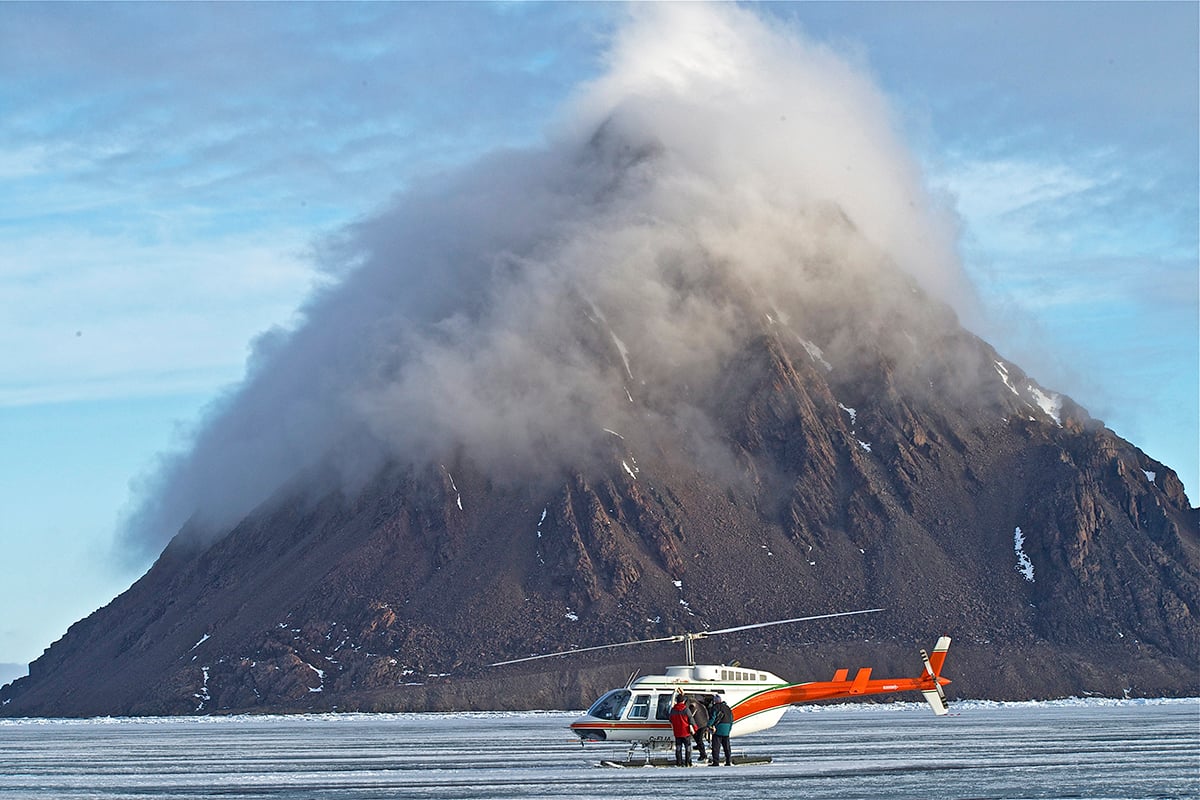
{"type": "Point", "coordinates": [517, 308]}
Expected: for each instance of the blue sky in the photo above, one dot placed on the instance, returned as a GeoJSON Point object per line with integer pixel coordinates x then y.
{"type": "Point", "coordinates": [166, 172]}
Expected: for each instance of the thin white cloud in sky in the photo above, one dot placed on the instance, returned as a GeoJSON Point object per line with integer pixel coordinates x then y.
{"type": "Point", "coordinates": [165, 168]}
{"type": "Point", "coordinates": [169, 165]}
{"type": "Point", "coordinates": [96, 315]}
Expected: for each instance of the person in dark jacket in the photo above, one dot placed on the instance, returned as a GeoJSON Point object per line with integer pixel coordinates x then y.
{"type": "Point", "coordinates": [683, 726]}
{"type": "Point", "coordinates": [721, 720]}
{"type": "Point", "coordinates": [699, 714]}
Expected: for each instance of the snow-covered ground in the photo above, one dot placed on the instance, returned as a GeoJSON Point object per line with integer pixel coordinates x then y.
{"type": "Point", "coordinates": [1067, 749]}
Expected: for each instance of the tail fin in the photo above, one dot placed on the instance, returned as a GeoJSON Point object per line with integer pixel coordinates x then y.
{"type": "Point", "coordinates": [934, 696]}
{"type": "Point", "coordinates": [938, 656]}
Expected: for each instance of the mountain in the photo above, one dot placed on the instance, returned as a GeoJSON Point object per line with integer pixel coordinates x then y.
{"type": "Point", "coordinates": [701, 359]}
{"type": "Point", "coordinates": [876, 454]}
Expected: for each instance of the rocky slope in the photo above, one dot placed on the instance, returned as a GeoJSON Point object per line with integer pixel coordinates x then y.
{"type": "Point", "coordinates": [830, 464]}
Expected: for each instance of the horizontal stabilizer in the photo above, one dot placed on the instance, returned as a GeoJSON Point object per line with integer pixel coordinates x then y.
{"type": "Point", "coordinates": [935, 700]}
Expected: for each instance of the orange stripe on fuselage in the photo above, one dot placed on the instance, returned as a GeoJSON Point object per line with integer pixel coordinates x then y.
{"type": "Point", "coordinates": [825, 690]}
{"type": "Point", "coordinates": [624, 726]}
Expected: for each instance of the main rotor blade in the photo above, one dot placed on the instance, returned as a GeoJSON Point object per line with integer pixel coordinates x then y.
{"type": "Point", "coordinates": [786, 621]}
{"type": "Point", "coordinates": [676, 638]}
{"type": "Point", "coordinates": [680, 637]}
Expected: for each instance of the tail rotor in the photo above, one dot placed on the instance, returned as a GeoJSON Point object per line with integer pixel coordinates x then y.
{"type": "Point", "coordinates": [935, 696]}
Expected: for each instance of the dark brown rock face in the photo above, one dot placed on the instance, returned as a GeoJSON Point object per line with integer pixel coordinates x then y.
{"type": "Point", "coordinates": [840, 467]}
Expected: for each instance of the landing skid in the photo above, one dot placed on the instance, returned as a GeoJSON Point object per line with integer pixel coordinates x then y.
{"type": "Point", "coordinates": [640, 755]}
{"type": "Point", "coordinates": [664, 761]}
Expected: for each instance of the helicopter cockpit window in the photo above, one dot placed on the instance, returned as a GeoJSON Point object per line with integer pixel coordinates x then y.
{"type": "Point", "coordinates": [665, 701]}
{"type": "Point", "coordinates": [610, 705]}
{"type": "Point", "coordinates": [641, 707]}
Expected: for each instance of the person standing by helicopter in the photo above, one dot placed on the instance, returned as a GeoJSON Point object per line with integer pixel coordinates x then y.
{"type": "Point", "coordinates": [721, 720]}
{"type": "Point", "coordinates": [683, 726]}
{"type": "Point", "coordinates": [699, 716]}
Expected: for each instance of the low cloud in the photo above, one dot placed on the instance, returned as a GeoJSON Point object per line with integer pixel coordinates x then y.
{"type": "Point", "coordinates": [515, 309]}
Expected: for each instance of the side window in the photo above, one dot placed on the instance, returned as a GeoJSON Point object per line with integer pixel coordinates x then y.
{"type": "Point", "coordinates": [664, 706]}
{"type": "Point", "coordinates": [641, 707]}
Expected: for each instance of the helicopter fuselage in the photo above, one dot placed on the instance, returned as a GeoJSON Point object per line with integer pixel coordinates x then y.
{"type": "Point", "coordinates": [640, 712]}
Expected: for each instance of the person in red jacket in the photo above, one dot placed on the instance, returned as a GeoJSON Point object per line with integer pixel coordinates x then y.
{"type": "Point", "coordinates": [683, 726]}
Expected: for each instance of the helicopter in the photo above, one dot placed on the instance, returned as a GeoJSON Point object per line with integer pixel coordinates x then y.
{"type": "Point", "coordinates": [639, 712]}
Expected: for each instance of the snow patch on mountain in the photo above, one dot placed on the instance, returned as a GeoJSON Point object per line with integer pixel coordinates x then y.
{"type": "Point", "coordinates": [816, 354]}
{"type": "Point", "coordinates": [1024, 565]}
{"type": "Point", "coordinates": [1049, 402]}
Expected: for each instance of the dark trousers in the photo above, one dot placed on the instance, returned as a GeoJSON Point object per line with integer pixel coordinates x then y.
{"type": "Point", "coordinates": [720, 743]}
{"type": "Point", "coordinates": [683, 750]}
{"type": "Point", "coordinates": [698, 738]}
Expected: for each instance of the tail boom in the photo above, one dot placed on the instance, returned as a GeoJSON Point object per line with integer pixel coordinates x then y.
{"type": "Point", "coordinates": [929, 684]}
